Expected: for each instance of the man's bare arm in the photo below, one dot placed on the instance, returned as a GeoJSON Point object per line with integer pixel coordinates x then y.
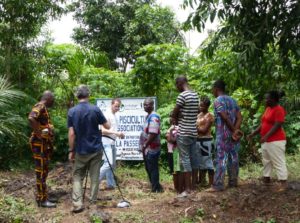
{"type": "Point", "coordinates": [175, 114]}
{"type": "Point", "coordinates": [35, 125]}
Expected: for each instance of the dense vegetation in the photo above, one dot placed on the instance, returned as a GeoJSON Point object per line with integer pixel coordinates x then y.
{"type": "Point", "coordinates": [238, 53]}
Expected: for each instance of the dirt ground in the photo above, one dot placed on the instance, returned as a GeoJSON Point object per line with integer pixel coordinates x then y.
{"type": "Point", "coordinates": [250, 202]}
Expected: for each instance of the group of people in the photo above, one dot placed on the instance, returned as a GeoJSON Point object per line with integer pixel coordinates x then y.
{"type": "Point", "coordinates": [190, 142]}
{"type": "Point", "coordinates": [90, 133]}
{"type": "Point", "coordinates": [194, 140]}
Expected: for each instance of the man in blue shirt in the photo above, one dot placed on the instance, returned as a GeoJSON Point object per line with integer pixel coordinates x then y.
{"type": "Point", "coordinates": [85, 145]}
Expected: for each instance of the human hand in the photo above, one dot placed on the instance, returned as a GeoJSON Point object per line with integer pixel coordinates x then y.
{"type": "Point", "coordinates": [250, 136]}
{"type": "Point", "coordinates": [121, 135]}
{"type": "Point", "coordinates": [38, 134]}
{"type": "Point", "coordinates": [237, 135]}
{"type": "Point", "coordinates": [71, 156]}
{"type": "Point", "coordinates": [51, 129]}
{"type": "Point", "coordinates": [144, 147]}
{"type": "Point", "coordinates": [263, 139]}
{"type": "Point", "coordinates": [173, 121]}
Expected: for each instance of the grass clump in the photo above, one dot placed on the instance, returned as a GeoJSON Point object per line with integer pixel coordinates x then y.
{"type": "Point", "coordinates": [14, 210]}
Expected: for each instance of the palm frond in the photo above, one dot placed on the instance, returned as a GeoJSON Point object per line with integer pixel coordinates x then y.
{"type": "Point", "coordinates": [8, 95]}
{"type": "Point", "coordinates": [11, 124]}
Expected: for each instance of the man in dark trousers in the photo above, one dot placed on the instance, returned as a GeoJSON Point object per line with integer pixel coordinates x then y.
{"type": "Point", "coordinates": [150, 144]}
{"type": "Point", "coordinates": [85, 145]}
{"type": "Point", "coordinates": [41, 145]}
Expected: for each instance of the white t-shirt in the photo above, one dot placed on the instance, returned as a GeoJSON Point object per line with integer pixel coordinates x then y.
{"type": "Point", "coordinates": [112, 119]}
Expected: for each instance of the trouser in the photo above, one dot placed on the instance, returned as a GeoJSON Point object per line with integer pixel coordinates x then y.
{"type": "Point", "coordinates": [151, 164]}
{"type": "Point", "coordinates": [227, 153]}
{"type": "Point", "coordinates": [188, 153]}
{"type": "Point", "coordinates": [105, 170]}
{"type": "Point", "coordinates": [41, 149]}
{"type": "Point", "coordinates": [273, 154]}
{"type": "Point", "coordinates": [205, 146]}
{"type": "Point", "coordinates": [84, 163]}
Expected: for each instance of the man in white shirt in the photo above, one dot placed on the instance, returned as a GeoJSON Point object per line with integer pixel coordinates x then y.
{"type": "Point", "coordinates": [108, 139]}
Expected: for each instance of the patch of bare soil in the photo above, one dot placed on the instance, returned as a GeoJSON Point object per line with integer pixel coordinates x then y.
{"type": "Point", "coordinates": [250, 202]}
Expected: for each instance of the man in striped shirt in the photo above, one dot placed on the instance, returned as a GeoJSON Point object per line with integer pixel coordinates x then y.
{"type": "Point", "coordinates": [185, 114]}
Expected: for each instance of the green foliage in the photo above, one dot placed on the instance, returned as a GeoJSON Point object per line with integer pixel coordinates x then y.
{"type": "Point", "coordinates": [61, 136]}
{"type": "Point", "coordinates": [121, 28]}
{"type": "Point", "coordinates": [251, 113]}
{"type": "Point", "coordinates": [64, 65]}
{"type": "Point", "coordinates": [200, 212]}
{"type": "Point", "coordinates": [151, 24]}
{"type": "Point", "coordinates": [272, 220]}
{"type": "Point", "coordinates": [12, 124]}
{"type": "Point", "coordinates": [292, 161]}
{"type": "Point", "coordinates": [198, 217]}
{"type": "Point", "coordinates": [95, 219]}
{"type": "Point", "coordinates": [292, 130]}
{"type": "Point", "coordinates": [14, 210]}
{"type": "Point", "coordinates": [107, 84]}
{"type": "Point", "coordinates": [156, 68]}
{"type": "Point", "coordinates": [20, 24]}
{"type": "Point", "coordinates": [225, 64]}
{"type": "Point", "coordinates": [252, 27]}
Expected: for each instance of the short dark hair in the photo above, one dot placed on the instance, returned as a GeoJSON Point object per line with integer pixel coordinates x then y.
{"type": "Point", "coordinates": [205, 100]}
{"type": "Point", "coordinates": [82, 91]}
{"type": "Point", "coordinates": [115, 100]}
{"type": "Point", "coordinates": [150, 100]}
{"type": "Point", "coordinates": [47, 95]}
{"type": "Point", "coordinates": [219, 84]}
{"type": "Point", "coordinates": [276, 95]}
{"type": "Point", "coordinates": [181, 78]}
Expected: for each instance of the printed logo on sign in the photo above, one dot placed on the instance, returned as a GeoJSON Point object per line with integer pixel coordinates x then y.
{"type": "Point", "coordinates": [122, 108]}
{"type": "Point", "coordinates": [130, 107]}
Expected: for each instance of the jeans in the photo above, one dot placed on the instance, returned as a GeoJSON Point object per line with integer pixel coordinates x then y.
{"type": "Point", "coordinates": [188, 152]}
{"type": "Point", "coordinates": [151, 165]}
{"type": "Point", "coordinates": [90, 162]}
{"type": "Point", "coordinates": [105, 170]}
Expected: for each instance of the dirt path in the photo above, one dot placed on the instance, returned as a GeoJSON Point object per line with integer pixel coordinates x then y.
{"type": "Point", "coordinates": [250, 202]}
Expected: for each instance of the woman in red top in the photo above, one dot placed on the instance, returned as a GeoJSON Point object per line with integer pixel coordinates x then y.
{"type": "Point", "coordinates": [273, 138]}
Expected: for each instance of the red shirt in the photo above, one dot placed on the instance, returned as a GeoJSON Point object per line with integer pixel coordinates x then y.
{"type": "Point", "coordinates": [272, 115]}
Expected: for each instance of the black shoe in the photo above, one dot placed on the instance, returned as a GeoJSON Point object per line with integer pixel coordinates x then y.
{"type": "Point", "coordinates": [158, 190]}
{"type": "Point", "coordinates": [77, 209]}
{"type": "Point", "coordinates": [46, 204]}
{"type": "Point", "coordinates": [52, 199]}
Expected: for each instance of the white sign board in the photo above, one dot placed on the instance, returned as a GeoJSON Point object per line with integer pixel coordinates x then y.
{"type": "Point", "coordinates": [131, 119]}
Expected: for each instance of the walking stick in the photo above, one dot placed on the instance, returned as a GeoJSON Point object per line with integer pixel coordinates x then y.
{"type": "Point", "coordinates": [124, 203]}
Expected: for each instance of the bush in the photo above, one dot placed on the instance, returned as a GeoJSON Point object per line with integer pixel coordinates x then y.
{"type": "Point", "coordinates": [61, 137]}
{"type": "Point", "coordinates": [292, 130]}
